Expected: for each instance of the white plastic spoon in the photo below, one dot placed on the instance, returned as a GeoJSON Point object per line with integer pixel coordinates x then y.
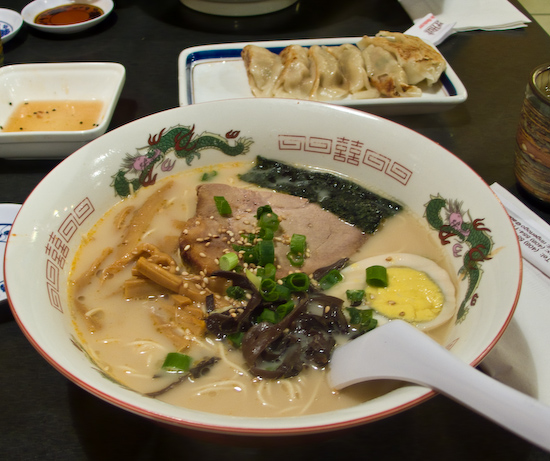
{"type": "Point", "coordinates": [399, 351]}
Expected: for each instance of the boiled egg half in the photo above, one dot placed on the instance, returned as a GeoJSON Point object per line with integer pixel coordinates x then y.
{"type": "Point", "coordinates": [418, 289]}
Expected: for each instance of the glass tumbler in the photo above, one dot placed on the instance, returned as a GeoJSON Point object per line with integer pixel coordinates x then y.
{"type": "Point", "coordinates": [532, 156]}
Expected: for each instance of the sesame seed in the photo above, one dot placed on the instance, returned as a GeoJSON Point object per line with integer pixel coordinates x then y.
{"type": "Point", "coordinates": [187, 247]}
{"type": "Point", "coordinates": [202, 255]}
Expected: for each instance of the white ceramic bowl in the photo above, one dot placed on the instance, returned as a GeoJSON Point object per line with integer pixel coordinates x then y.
{"type": "Point", "coordinates": [8, 212]}
{"type": "Point", "coordinates": [409, 167]}
{"type": "Point", "coordinates": [10, 23]}
{"type": "Point", "coordinates": [101, 81]}
{"type": "Point", "coordinates": [237, 7]}
{"type": "Point", "coordinates": [33, 9]}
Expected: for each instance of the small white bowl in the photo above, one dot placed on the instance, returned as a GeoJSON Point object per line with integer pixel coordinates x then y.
{"type": "Point", "coordinates": [10, 23]}
{"type": "Point", "coordinates": [101, 81]}
{"type": "Point", "coordinates": [8, 212]}
{"type": "Point", "coordinates": [391, 159]}
{"type": "Point", "coordinates": [237, 7]}
{"type": "Point", "coordinates": [33, 9]}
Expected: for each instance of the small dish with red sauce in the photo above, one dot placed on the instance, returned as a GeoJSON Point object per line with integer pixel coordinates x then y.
{"type": "Point", "coordinates": [66, 16]}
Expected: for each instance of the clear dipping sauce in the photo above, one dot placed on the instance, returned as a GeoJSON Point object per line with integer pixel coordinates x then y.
{"type": "Point", "coordinates": [54, 116]}
{"type": "Point", "coordinates": [64, 15]}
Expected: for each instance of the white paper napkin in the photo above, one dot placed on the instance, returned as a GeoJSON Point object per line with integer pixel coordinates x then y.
{"type": "Point", "coordinates": [521, 358]}
{"type": "Point", "coordinates": [468, 14]}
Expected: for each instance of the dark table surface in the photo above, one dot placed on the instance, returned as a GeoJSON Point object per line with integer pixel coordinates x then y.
{"type": "Point", "coordinates": [45, 416]}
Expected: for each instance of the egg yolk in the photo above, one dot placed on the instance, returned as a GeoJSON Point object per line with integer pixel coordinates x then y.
{"type": "Point", "coordinates": [411, 295]}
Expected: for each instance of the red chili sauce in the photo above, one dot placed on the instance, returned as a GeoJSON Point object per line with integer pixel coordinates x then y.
{"type": "Point", "coordinates": [63, 15]}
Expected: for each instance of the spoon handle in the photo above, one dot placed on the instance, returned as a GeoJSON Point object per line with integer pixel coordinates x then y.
{"type": "Point", "coordinates": [518, 412]}
{"type": "Point", "coordinates": [409, 355]}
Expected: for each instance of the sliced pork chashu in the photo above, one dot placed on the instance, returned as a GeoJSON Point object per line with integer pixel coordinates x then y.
{"type": "Point", "coordinates": [208, 234]}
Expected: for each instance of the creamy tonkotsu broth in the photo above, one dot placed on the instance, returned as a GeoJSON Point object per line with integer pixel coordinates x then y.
{"type": "Point", "coordinates": [127, 342]}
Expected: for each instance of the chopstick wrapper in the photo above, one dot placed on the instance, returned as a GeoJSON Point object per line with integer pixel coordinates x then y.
{"type": "Point", "coordinates": [431, 29]}
{"type": "Point", "coordinates": [533, 232]}
{"type": "Point", "coordinates": [468, 14]}
{"type": "Point", "coordinates": [521, 357]}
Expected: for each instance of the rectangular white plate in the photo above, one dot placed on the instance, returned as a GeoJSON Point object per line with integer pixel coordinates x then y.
{"type": "Point", "coordinates": [215, 72]}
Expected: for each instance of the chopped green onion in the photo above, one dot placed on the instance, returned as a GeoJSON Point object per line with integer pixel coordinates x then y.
{"type": "Point", "coordinates": [297, 252]}
{"type": "Point", "coordinates": [268, 315]}
{"type": "Point", "coordinates": [275, 316]}
{"type": "Point", "coordinates": [254, 279]}
{"type": "Point", "coordinates": [265, 252]}
{"type": "Point", "coordinates": [362, 319]}
{"type": "Point", "coordinates": [176, 362]}
{"type": "Point", "coordinates": [284, 309]}
{"type": "Point", "coordinates": [298, 244]}
{"type": "Point", "coordinates": [268, 221]}
{"type": "Point", "coordinates": [236, 292]}
{"type": "Point", "coordinates": [271, 291]}
{"type": "Point", "coordinates": [298, 281]}
{"type": "Point", "coordinates": [330, 279]}
{"type": "Point", "coordinates": [229, 261]}
{"type": "Point", "coordinates": [266, 233]}
{"type": "Point", "coordinates": [377, 276]}
{"type": "Point", "coordinates": [248, 254]}
{"type": "Point", "coordinates": [267, 272]}
{"type": "Point", "coordinates": [355, 296]}
{"type": "Point", "coordinates": [236, 338]}
{"type": "Point", "coordinates": [222, 205]}
{"type": "Point", "coordinates": [207, 176]}
{"type": "Point", "coordinates": [296, 260]}
{"type": "Point", "coordinates": [263, 209]}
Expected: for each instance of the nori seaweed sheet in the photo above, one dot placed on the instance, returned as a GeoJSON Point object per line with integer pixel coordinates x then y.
{"type": "Point", "coordinates": [346, 199]}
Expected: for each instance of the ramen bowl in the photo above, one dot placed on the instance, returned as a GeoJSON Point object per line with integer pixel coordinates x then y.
{"type": "Point", "coordinates": [462, 214]}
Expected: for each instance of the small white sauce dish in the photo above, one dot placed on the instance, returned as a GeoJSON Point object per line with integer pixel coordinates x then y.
{"type": "Point", "coordinates": [77, 81]}
{"type": "Point", "coordinates": [10, 23]}
{"type": "Point", "coordinates": [33, 9]}
{"type": "Point", "coordinates": [8, 212]}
